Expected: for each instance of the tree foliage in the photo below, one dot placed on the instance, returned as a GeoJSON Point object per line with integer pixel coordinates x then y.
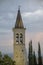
{"type": "Point", "coordinates": [6, 60]}
{"type": "Point", "coordinates": [39, 55]}
{"type": "Point", "coordinates": [32, 56]}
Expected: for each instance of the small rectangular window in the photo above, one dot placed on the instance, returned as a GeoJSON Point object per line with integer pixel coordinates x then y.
{"type": "Point", "coordinates": [17, 38]}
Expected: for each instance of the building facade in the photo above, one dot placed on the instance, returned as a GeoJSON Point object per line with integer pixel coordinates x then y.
{"type": "Point", "coordinates": [19, 41]}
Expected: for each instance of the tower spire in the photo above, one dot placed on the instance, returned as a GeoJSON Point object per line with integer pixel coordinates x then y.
{"type": "Point", "coordinates": [19, 22]}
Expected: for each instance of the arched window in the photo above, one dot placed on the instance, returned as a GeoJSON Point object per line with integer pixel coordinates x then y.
{"type": "Point", "coordinates": [17, 38]}
{"type": "Point", "coordinates": [21, 38]}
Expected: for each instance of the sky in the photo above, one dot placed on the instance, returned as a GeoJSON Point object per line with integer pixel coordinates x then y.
{"type": "Point", "coordinates": [32, 16]}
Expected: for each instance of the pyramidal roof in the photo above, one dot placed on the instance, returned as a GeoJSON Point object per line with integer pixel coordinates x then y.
{"type": "Point", "coordinates": [19, 22]}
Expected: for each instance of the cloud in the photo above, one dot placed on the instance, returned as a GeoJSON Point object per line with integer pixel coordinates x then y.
{"type": "Point", "coordinates": [6, 43]}
{"type": "Point", "coordinates": [33, 20]}
{"type": "Point", "coordinates": [5, 31]}
{"type": "Point", "coordinates": [32, 12]}
{"type": "Point", "coordinates": [28, 5]}
{"type": "Point", "coordinates": [35, 13]}
{"type": "Point", "coordinates": [11, 15]}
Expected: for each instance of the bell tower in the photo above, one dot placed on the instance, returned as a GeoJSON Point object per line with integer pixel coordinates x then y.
{"type": "Point", "coordinates": [19, 41]}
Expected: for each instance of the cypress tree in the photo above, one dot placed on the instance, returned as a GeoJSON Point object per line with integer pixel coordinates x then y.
{"type": "Point", "coordinates": [39, 55]}
{"type": "Point", "coordinates": [34, 56]}
{"type": "Point", "coordinates": [30, 53]}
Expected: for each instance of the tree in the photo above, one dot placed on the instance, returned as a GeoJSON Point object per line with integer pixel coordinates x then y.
{"type": "Point", "coordinates": [8, 60]}
{"type": "Point", "coordinates": [30, 54]}
{"type": "Point", "coordinates": [39, 55]}
{"type": "Point", "coordinates": [1, 59]}
{"type": "Point", "coordinates": [0, 54]}
{"type": "Point", "coordinates": [34, 56]}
